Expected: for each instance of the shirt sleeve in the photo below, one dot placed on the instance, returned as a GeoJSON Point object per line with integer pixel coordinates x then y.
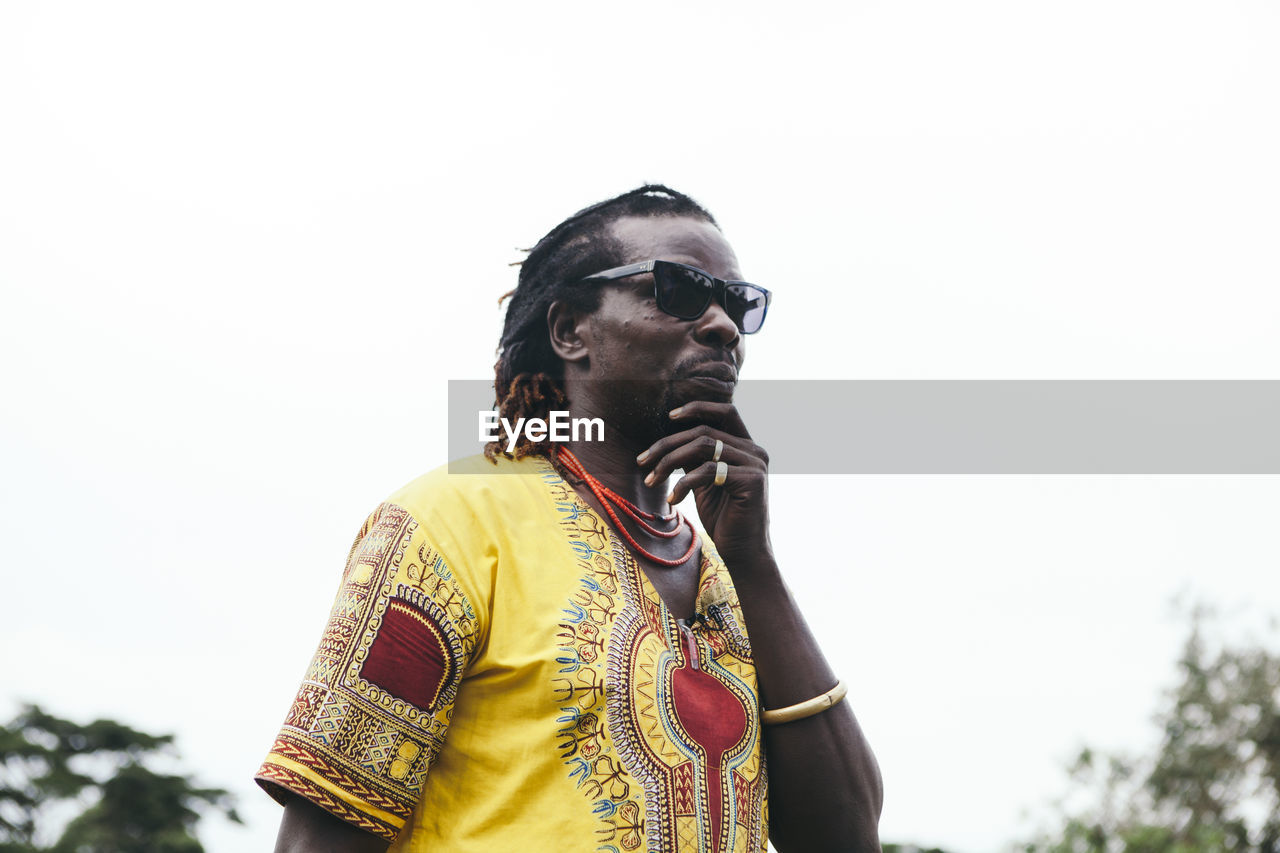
{"type": "Point", "coordinates": [375, 703]}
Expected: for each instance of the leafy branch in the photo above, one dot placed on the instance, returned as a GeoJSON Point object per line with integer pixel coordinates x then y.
{"type": "Point", "coordinates": [99, 772]}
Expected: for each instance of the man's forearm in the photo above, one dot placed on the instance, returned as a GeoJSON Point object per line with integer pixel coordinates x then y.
{"type": "Point", "coordinates": [825, 790]}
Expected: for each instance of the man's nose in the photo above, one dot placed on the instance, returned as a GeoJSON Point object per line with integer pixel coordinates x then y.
{"type": "Point", "coordinates": [715, 328]}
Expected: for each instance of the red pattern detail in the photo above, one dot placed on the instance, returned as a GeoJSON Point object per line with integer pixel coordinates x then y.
{"type": "Point", "coordinates": [338, 778]}
{"type": "Point", "coordinates": [682, 783]}
{"type": "Point", "coordinates": [272, 778]}
{"type": "Point", "coordinates": [303, 710]}
{"type": "Point", "coordinates": [408, 658]}
{"type": "Point", "coordinates": [744, 791]}
{"type": "Point", "coordinates": [714, 717]}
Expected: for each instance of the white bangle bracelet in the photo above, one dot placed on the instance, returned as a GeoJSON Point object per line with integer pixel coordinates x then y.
{"type": "Point", "coordinates": [807, 708]}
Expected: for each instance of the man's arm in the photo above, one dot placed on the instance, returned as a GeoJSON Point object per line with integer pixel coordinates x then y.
{"type": "Point", "coordinates": [307, 828]}
{"type": "Point", "coordinates": [825, 789]}
{"type": "Point", "coordinates": [390, 623]}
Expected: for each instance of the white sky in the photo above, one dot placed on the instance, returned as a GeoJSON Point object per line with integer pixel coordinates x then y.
{"type": "Point", "coordinates": [244, 245]}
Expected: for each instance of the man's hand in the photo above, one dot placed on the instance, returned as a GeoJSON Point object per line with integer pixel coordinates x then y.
{"type": "Point", "coordinates": [736, 513]}
{"type": "Point", "coordinates": [825, 790]}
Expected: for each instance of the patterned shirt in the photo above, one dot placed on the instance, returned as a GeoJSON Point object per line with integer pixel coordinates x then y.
{"type": "Point", "coordinates": [498, 673]}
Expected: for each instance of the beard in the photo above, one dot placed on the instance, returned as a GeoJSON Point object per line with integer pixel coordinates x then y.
{"type": "Point", "coordinates": [640, 409]}
{"type": "Point", "coordinates": [687, 385]}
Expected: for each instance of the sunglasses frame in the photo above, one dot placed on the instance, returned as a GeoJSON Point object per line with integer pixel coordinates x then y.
{"type": "Point", "coordinates": [719, 288]}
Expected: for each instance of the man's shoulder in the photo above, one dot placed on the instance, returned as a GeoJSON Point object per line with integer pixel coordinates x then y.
{"type": "Point", "coordinates": [472, 482]}
{"type": "Point", "coordinates": [472, 509]}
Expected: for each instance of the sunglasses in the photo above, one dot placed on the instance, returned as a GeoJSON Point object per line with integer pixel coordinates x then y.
{"type": "Point", "coordinates": [686, 292]}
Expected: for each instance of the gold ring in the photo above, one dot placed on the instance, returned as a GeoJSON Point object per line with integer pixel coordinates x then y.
{"type": "Point", "coordinates": [715, 457]}
{"type": "Point", "coordinates": [722, 473]}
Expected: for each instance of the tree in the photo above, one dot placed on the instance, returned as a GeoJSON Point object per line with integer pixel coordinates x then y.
{"type": "Point", "coordinates": [1214, 782]}
{"type": "Point", "coordinates": [94, 779]}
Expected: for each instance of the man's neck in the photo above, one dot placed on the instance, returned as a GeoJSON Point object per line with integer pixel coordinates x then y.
{"type": "Point", "coordinates": [613, 463]}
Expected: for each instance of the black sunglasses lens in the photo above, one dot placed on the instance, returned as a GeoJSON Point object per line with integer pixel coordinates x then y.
{"type": "Point", "coordinates": [746, 305]}
{"type": "Point", "coordinates": [683, 292]}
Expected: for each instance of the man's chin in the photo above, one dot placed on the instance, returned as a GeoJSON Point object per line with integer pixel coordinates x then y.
{"type": "Point", "coordinates": [685, 391]}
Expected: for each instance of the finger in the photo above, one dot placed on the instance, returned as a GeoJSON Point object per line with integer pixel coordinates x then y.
{"type": "Point", "coordinates": [702, 475]}
{"type": "Point", "coordinates": [740, 481]}
{"type": "Point", "coordinates": [700, 432]}
{"type": "Point", "coordinates": [722, 415]}
{"type": "Point", "coordinates": [694, 453]}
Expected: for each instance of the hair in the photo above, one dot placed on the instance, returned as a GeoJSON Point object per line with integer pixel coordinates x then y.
{"type": "Point", "coordinates": [529, 376]}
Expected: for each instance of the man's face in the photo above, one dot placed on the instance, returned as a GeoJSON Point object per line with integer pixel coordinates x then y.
{"type": "Point", "coordinates": [671, 361]}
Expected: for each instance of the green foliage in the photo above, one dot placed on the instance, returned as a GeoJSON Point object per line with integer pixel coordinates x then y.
{"type": "Point", "coordinates": [53, 766]}
{"type": "Point", "coordinates": [1213, 784]}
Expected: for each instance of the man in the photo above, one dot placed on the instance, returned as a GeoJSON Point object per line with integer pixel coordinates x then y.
{"type": "Point", "coordinates": [607, 678]}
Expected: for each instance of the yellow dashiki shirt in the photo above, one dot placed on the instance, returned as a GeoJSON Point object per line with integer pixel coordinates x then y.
{"type": "Point", "coordinates": [499, 674]}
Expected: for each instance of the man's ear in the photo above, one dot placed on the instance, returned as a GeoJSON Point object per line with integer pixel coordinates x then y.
{"type": "Point", "coordinates": [566, 326]}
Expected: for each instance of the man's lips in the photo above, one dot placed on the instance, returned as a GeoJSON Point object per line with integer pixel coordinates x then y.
{"type": "Point", "coordinates": [716, 370]}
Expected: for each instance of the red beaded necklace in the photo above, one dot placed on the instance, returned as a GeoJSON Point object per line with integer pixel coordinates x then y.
{"type": "Point", "coordinates": [609, 497]}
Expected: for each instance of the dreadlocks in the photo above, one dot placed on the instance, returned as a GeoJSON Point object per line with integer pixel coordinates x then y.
{"type": "Point", "coordinates": [528, 376]}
